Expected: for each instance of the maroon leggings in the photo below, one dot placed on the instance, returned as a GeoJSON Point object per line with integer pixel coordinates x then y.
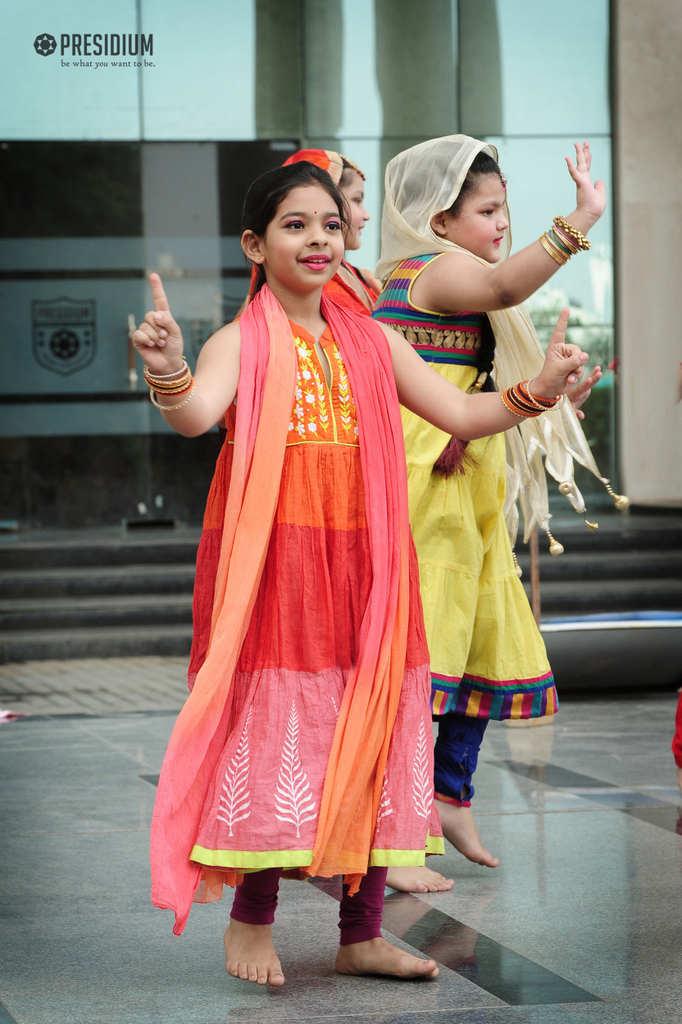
{"type": "Point", "coordinates": [255, 900]}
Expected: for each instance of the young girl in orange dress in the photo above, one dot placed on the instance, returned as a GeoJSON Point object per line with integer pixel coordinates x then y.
{"type": "Point", "coordinates": [305, 744]}
{"type": "Point", "coordinates": [350, 287]}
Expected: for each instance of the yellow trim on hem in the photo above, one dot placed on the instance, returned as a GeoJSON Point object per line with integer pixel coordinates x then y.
{"type": "Point", "coordinates": [247, 860]}
{"type": "Point", "coordinates": [238, 859]}
{"type": "Point", "coordinates": [396, 858]}
{"type": "Point", "coordinates": [435, 845]}
{"type": "Point", "coordinates": [406, 858]}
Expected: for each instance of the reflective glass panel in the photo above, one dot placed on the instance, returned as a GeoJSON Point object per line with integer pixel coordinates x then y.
{"type": "Point", "coordinates": [202, 85]}
{"type": "Point", "coordinates": [49, 78]}
{"type": "Point", "coordinates": [554, 62]}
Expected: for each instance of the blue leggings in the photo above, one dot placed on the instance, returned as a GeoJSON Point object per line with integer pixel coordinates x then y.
{"type": "Point", "coordinates": [456, 756]}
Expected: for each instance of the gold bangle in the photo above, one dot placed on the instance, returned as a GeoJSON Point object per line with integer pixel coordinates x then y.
{"type": "Point", "coordinates": [552, 403]}
{"type": "Point", "coordinates": [548, 247]}
{"type": "Point", "coordinates": [182, 386]}
{"type": "Point", "coordinates": [531, 397]}
{"type": "Point", "coordinates": [565, 256]}
{"type": "Point", "coordinates": [578, 236]}
{"type": "Point", "coordinates": [169, 384]}
{"type": "Point", "coordinates": [563, 238]}
{"type": "Point", "coordinates": [170, 387]}
{"type": "Point", "coordinates": [566, 244]}
{"type": "Point", "coordinates": [169, 408]}
{"type": "Point", "coordinates": [543, 404]}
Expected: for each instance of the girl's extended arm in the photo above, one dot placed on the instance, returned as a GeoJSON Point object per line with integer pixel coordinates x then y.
{"type": "Point", "coordinates": [436, 400]}
{"type": "Point", "coordinates": [456, 282]}
{"type": "Point", "coordinates": [421, 389]}
{"type": "Point", "coordinates": [159, 342]}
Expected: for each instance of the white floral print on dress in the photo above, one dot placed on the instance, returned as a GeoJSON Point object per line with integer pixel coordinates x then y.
{"type": "Point", "coordinates": [293, 800]}
{"type": "Point", "coordinates": [235, 800]}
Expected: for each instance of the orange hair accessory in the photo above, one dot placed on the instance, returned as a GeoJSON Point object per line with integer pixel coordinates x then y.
{"type": "Point", "coordinates": [327, 160]}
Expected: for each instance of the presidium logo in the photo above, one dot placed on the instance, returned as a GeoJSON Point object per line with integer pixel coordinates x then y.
{"type": "Point", "coordinates": [97, 44]}
{"type": "Point", "coordinates": [64, 333]}
{"type": "Point", "coordinates": [45, 44]}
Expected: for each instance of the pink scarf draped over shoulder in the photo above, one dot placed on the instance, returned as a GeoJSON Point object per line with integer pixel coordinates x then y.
{"type": "Point", "coordinates": [357, 760]}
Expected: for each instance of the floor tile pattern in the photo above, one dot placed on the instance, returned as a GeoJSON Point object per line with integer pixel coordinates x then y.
{"type": "Point", "coordinates": [94, 686]}
{"type": "Point", "coordinates": [642, 805]}
{"type": "Point", "coordinates": [584, 906]}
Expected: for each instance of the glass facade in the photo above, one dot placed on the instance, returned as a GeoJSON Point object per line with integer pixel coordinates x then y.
{"type": "Point", "coordinates": [116, 163]}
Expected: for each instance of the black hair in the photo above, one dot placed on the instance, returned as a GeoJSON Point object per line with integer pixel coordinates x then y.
{"type": "Point", "coordinates": [349, 170]}
{"type": "Point", "coordinates": [482, 164]}
{"type": "Point", "coordinates": [270, 189]}
{"type": "Point", "coordinates": [486, 354]}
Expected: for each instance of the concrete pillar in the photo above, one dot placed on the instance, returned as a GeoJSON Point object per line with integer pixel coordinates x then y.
{"type": "Point", "coordinates": [323, 61]}
{"type": "Point", "coordinates": [279, 76]}
{"type": "Point", "coordinates": [480, 72]}
{"type": "Point", "coordinates": [416, 71]}
{"type": "Point", "coordinates": [647, 42]}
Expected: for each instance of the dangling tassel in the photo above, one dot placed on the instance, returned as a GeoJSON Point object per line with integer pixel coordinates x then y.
{"type": "Point", "coordinates": [519, 570]}
{"type": "Point", "coordinates": [568, 489]}
{"type": "Point", "coordinates": [555, 548]}
{"type": "Point", "coordinates": [451, 459]}
{"type": "Point", "coordinates": [621, 501]}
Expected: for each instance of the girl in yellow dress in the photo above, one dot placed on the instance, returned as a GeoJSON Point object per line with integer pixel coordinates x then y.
{"type": "Point", "coordinates": [445, 229]}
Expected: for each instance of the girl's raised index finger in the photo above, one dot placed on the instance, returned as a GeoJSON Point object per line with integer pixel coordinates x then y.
{"type": "Point", "coordinates": [158, 294]}
{"type": "Point", "coordinates": [559, 331]}
{"type": "Point", "coordinates": [562, 322]}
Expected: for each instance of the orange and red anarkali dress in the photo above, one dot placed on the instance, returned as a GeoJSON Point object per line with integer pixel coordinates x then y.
{"type": "Point", "coordinates": [307, 743]}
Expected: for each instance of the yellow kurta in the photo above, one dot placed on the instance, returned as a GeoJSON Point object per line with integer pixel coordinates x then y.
{"type": "Point", "coordinates": [488, 658]}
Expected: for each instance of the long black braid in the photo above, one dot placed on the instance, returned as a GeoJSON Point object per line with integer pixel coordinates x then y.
{"type": "Point", "coordinates": [486, 354]}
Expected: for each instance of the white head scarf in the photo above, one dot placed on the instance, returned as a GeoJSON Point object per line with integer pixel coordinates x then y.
{"type": "Point", "coordinates": [420, 182]}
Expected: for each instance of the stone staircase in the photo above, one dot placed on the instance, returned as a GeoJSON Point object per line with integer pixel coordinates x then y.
{"type": "Point", "coordinates": [632, 563]}
{"type": "Point", "coordinates": [115, 593]}
{"type": "Point", "coordinates": [96, 593]}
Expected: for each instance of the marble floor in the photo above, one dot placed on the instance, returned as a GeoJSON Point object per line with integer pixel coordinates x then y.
{"type": "Point", "coordinates": [582, 921]}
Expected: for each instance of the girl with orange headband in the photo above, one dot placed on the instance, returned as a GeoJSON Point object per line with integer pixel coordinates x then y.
{"type": "Point", "coordinates": [305, 743]}
{"type": "Point", "coordinates": [356, 289]}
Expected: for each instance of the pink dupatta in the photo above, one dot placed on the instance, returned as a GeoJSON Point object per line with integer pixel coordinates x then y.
{"type": "Point", "coordinates": [357, 760]}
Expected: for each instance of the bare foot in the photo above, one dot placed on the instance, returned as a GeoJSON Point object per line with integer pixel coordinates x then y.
{"type": "Point", "coordinates": [250, 953]}
{"type": "Point", "coordinates": [678, 769]}
{"type": "Point", "coordinates": [417, 879]}
{"type": "Point", "coordinates": [379, 957]}
{"type": "Point", "coordinates": [459, 828]}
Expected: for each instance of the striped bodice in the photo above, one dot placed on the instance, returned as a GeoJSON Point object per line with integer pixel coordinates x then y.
{"type": "Point", "coordinates": [437, 337]}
